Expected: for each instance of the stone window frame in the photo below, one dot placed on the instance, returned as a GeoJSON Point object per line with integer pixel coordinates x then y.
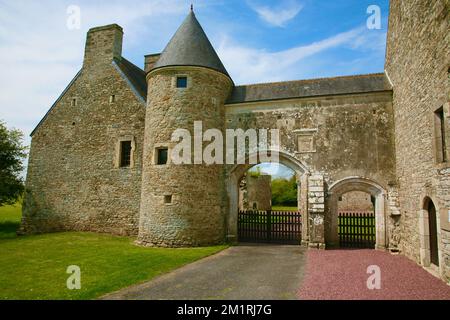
{"type": "Point", "coordinates": [112, 98]}
{"type": "Point", "coordinates": [312, 132]}
{"type": "Point", "coordinates": [188, 80]}
{"type": "Point", "coordinates": [118, 151]}
{"type": "Point", "coordinates": [441, 157]}
{"type": "Point", "coordinates": [157, 147]}
{"type": "Point", "coordinates": [74, 102]}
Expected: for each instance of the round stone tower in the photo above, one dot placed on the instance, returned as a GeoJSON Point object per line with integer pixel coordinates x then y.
{"type": "Point", "coordinates": [183, 204]}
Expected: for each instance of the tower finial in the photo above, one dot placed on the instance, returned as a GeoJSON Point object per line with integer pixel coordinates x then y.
{"type": "Point", "coordinates": [192, 7]}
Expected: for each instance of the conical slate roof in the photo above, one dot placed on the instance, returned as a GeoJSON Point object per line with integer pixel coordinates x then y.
{"type": "Point", "coordinates": [190, 47]}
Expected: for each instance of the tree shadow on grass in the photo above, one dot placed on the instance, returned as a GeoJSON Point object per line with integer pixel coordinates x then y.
{"type": "Point", "coordinates": [8, 229]}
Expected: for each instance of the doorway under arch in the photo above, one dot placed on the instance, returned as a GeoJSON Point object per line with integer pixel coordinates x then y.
{"type": "Point", "coordinates": [352, 184]}
{"type": "Point", "coordinates": [429, 241]}
{"type": "Point", "coordinates": [235, 176]}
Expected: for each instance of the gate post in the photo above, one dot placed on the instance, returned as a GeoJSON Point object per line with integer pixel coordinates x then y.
{"type": "Point", "coordinates": [316, 211]}
{"type": "Point", "coordinates": [302, 197]}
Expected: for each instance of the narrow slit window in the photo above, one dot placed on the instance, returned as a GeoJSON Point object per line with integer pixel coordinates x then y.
{"type": "Point", "coordinates": [162, 156]}
{"type": "Point", "coordinates": [125, 154]}
{"type": "Point", "coordinates": [74, 102]}
{"type": "Point", "coordinates": [112, 98]}
{"type": "Point", "coordinates": [441, 143]}
{"type": "Point", "coordinates": [181, 82]}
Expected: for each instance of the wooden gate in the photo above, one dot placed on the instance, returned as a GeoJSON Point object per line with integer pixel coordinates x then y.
{"type": "Point", "coordinates": [270, 227]}
{"type": "Point", "coordinates": [357, 230]}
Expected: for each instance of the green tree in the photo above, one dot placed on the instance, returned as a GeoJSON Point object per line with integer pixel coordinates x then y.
{"type": "Point", "coordinates": [12, 154]}
{"type": "Point", "coordinates": [284, 192]}
{"type": "Point", "coordinates": [255, 172]}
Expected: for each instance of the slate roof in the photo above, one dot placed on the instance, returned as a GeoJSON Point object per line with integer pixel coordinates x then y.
{"type": "Point", "coordinates": [310, 88]}
{"type": "Point", "coordinates": [190, 47]}
{"type": "Point", "coordinates": [135, 75]}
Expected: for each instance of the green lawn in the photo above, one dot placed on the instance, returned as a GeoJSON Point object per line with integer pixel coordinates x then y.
{"type": "Point", "coordinates": [34, 267]}
{"type": "Point", "coordinates": [276, 208]}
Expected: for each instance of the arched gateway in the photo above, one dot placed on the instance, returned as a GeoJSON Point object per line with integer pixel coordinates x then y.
{"type": "Point", "coordinates": [337, 189]}
{"type": "Point", "coordinates": [235, 175]}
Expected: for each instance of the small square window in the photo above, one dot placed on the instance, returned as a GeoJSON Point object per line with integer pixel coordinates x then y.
{"type": "Point", "coordinates": [162, 156]}
{"type": "Point", "coordinates": [168, 199]}
{"type": "Point", "coordinates": [181, 82]}
{"type": "Point", "coordinates": [125, 154]}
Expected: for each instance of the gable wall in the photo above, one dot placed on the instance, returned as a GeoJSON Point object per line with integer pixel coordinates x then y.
{"type": "Point", "coordinates": [73, 181]}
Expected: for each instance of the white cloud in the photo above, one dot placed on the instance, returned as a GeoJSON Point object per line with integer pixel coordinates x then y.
{"type": "Point", "coordinates": [249, 65]}
{"type": "Point", "coordinates": [277, 16]}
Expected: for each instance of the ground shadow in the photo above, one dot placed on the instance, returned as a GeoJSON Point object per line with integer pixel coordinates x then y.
{"type": "Point", "coordinates": [8, 229]}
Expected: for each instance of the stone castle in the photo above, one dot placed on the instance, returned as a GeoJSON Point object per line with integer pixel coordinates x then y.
{"type": "Point", "coordinates": [99, 158]}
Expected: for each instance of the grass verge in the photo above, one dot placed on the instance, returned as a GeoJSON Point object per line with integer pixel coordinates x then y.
{"type": "Point", "coordinates": [34, 267]}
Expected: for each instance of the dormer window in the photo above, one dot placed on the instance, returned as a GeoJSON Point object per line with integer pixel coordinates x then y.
{"type": "Point", "coordinates": [182, 82]}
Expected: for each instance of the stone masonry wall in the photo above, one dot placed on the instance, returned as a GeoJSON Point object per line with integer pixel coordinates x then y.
{"type": "Point", "coordinates": [418, 62]}
{"type": "Point", "coordinates": [73, 181]}
{"type": "Point", "coordinates": [259, 192]}
{"type": "Point", "coordinates": [355, 201]}
{"type": "Point", "coordinates": [350, 135]}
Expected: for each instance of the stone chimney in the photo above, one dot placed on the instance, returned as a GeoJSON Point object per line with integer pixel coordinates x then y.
{"type": "Point", "coordinates": [150, 61]}
{"type": "Point", "coordinates": [103, 44]}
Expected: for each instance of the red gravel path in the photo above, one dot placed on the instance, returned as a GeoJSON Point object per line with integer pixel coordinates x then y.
{"type": "Point", "coordinates": [342, 275]}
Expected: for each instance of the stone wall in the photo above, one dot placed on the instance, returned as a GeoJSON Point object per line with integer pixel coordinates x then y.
{"type": "Point", "coordinates": [351, 135]}
{"type": "Point", "coordinates": [257, 193]}
{"type": "Point", "coordinates": [418, 63]}
{"type": "Point", "coordinates": [197, 212]}
{"type": "Point", "coordinates": [73, 181]}
{"type": "Point", "coordinates": [355, 201]}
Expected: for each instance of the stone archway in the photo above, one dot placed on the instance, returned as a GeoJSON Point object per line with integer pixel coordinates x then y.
{"type": "Point", "coordinates": [350, 184]}
{"type": "Point", "coordinates": [429, 230]}
{"type": "Point", "coordinates": [238, 171]}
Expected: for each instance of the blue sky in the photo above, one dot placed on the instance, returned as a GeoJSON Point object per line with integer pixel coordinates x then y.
{"type": "Point", "coordinates": [258, 41]}
{"type": "Point", "coordinates": [276, 170]}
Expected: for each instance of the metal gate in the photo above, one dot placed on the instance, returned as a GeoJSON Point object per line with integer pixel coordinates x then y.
{"type": "Point", "coordinates": [357, 230]}
{"type": "Point", "coordinates": [270, 227]}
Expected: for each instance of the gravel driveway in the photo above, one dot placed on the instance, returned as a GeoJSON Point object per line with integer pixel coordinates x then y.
{"type": "Point", "coordinates": [342, 274]}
